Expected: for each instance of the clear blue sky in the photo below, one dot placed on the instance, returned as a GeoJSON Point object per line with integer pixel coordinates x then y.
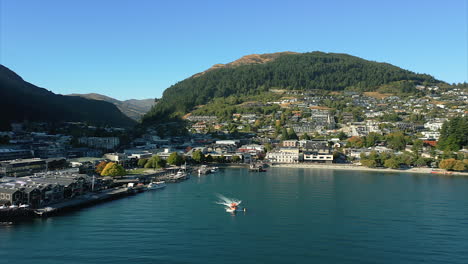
{"type": "Point", "coordinates": [136, 49]}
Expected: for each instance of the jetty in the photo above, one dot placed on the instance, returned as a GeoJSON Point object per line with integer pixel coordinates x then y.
{"type": "Point", "coordinates": [84, 200]}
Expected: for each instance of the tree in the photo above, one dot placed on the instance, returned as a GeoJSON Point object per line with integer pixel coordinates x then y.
{"type": "Point", "coordinates": [155, 162]}
{"type": "Point", "coordinates": [355, 142]}
{"type": "Point", "coordinates": [417, 146]}
{"type": "Point", "coordinates": [342, 135]}
{"type": "Point", "coordinates": [100, 167]}
{"type": "Point", "coordinates": [142, 162]}
{"type": "Point", "coordinates": [198, 156]}
{"type": "Point", "coordinates": [371, 139]}
{"type": "Point", "coordinates": [369, 163]}
{"type": "Point", "coordinates": [284, 134]}
{"type": "Point", "coordinates": [453, 134]}
{"type": "Point", "coordinates": [448, 164]}
{"type": "Point", "coordinates": [420, 162]}
{"type": "Point", "coordinates": [396, 140]}
{"type": "Point", "coordinates": [459, 166]}
{"type": "Point", "coordinates": [113, 169]}
{"type": "Point", "coordinates": [209, 158]}
{"type": "Point", "coordinates": [305, 136]}
{"type": "Point", "coordinates": [405, 158]}
{"type": "Point", "coordinates": [236, 159]}
{"type": "Point", "coordinates": [175, 159]}
{"type": "Point", "coordinates": [392, 163]}
{"type": "Point", "coordinates": [292, 134]}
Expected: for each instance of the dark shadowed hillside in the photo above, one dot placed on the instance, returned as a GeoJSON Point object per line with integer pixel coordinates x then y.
{"type": "Point", "coordinates": [21, 101]}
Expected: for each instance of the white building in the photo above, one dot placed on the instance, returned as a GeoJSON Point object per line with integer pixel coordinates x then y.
{"type": "Point", "coordinates": [318, 157]}
{"type": "Point", "coordinates": [281, 156]}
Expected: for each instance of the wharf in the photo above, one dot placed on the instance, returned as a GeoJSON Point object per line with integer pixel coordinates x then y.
{"type": "Point", "coordinates": [84, 200]}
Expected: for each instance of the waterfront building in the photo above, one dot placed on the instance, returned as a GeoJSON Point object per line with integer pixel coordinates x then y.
{"type": "Point", "coordinates": [22, 167]}
{"type": "Point", "coordinates": [284, 156]}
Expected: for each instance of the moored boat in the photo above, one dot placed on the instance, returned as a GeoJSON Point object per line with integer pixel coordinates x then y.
{"type": "Point", "coordinates": [156, 185]}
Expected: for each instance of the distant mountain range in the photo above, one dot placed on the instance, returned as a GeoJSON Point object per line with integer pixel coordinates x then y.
{"type": "Point", "coordinates": [22, 101]}
{"type": "Point", "coordinates": [256, 74]}
{"type": "Point", "coordinates": [133, 108]}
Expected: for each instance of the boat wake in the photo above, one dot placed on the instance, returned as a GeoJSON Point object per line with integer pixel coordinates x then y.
{"type": "Point", "coordinates": [231, 205]}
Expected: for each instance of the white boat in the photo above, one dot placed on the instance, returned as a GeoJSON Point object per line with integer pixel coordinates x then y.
{"type": "Point", "coordinates": [214, 169]}
{"type": "Point", "coordinates": [24, 206]}
{"type": "Point", "coordinates": [13, 206]}
{"type": "Point", "coordinates": [156, 185]}
{"type": "Point", "coordinates": [3, 207]}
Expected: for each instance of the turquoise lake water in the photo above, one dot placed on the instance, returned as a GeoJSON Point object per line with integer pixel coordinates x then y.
{"type": "Point", "coordinates": [293, 216]}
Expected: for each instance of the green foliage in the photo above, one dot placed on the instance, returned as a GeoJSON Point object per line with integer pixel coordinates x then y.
{"type": "Point", "coordinates": [175, 159]}
{"type": "Point", "coordinates": [236, 159]}
{"type": "Point", "coordinates": [284, 134]}
{"type": "Point", "coordinates": [417, 146]}
{"type": "Point", "coordinates": [198, 156]}
{"type": "Point", "coordinates": [371, 139]}
{"type": "Point", "coordinates": [113, 169]}
{"type": "Point", "coordinates": [454, 135]}
{"type": "Point", "coordinates": [369, 163]}
{"type": "Point", "coordinates": [142, 162]}
{"type": "Point", "coordinates": [292, 134]}
{"type": "Point", "coordinates": [155, 162]}
{"type": "Point", "coordinates": [420, 162]}
{"type": "Point", "coordinates": [390, 117]}
{"type": "Point", "coordinates": [396, 140]}
{"type": "Point", "coordinates": [307, 71]}
{"type": "Point", "coordinates": [392, 163]}
{"type": "Point", "coordinates": [342, 135]}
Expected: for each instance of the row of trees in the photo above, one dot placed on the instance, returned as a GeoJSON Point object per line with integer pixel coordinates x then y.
{"type": "Point", "coordinates": [157, 162]}
{"type": "Point", "coordinates": [393, 161]}
{"type": "Point", "coordinates": [396, 141]}
{"type": "Point", "coordinates": [453, 164]}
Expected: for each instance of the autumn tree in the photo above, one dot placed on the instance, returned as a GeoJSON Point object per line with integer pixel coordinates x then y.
{"type": "Point", "coordinates": [113, 169]}
{"type": "Point", "coordinates": [459, 166]}
{"type": "Point", "coordinates": [448, 164]}
{"type": "Point", "coordinates": [100, 167]}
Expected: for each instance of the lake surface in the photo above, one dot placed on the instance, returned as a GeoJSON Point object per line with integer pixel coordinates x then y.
{"type": "Point", "coordinates": [293, 216]}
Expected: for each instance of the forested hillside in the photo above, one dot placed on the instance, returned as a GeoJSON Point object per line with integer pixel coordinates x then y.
{"type": "Point", "coordinates": [306, 71]}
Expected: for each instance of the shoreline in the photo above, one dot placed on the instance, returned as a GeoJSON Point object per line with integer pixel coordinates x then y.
{"type": "Point", "coordinates": [361, 168]}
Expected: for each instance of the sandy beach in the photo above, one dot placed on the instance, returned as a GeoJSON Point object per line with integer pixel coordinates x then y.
{"type": "Point", "coordinates": [361, 168]}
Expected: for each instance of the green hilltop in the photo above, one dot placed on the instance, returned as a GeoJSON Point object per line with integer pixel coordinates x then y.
{"type": "Point", "coordinates": [257, 74]}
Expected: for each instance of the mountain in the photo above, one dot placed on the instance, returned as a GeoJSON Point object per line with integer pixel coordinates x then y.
{"type": "Point", "coordinates": [255, 74]}
{"type": "Point", "coordinates": [132, 108]}
{"type": "Point", "coordinates": [24, 101]}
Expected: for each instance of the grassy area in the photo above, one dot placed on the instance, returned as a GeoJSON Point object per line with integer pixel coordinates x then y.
{"type": "Point", "coordinates": [139, 171]}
